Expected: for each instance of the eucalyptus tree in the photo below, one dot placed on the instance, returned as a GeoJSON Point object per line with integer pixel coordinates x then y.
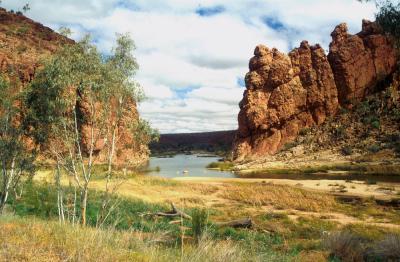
{"type": "Point", "coordinates": [77, 106]}
{"type": "Point", "coordinates": [16, 153]}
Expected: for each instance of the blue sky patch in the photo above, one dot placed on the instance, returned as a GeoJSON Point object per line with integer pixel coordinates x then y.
{"type": "Point", "coordinates": [240, 81]}
{"type": "Point", "coordinates": [127, 5]}
{"type": "Point", "coordinates": [210, 11]}
{"type": "Point", "coordinates": [274, 23]}
{"type": "Point", "coordinates": [182, 92]}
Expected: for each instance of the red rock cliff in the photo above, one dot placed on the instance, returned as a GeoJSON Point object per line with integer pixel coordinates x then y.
{"type": "Point", "coordinates": [286, 93]}
{"type": "Point", "coordinates": [23, 45]}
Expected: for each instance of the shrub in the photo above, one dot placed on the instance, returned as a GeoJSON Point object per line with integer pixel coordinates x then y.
{"type": "Point", "coordinates": [396, 114]}
{"type": "Point", "coordinates": [343, 111]}
{"type": "Point", "coordinates": [363, 108]}
{"type": "Point", "coordinates": [339, 132]}
{"type": "Point", "coordinates": [374, 148]}
{"type": "Point", "coordinates": [344, 246]}
{"type": "Point", "coordinates": [347, 150]}
{"type": "Point", "coordinates": [289, 145]}
{"type": "Point", "coordinates": [22, 30]}
{"type": "Point", "coordinates": [21, 49]}
{"type": "Point", "coordinates": [199, 223]}
{"type": "Point", "coordinates": [376, 124]}
{"type": "Point", "coordinates": [304, 131]}
{"type": "Point", "coordinates": [370, 182]}
{"type": "Point", "coordinates": [223, 166]}
{"type": "Point", "coordinates": [388, 249]}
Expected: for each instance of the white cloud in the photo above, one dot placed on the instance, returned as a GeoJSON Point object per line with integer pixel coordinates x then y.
{"type": "Point", "coordinates": [190, 65]}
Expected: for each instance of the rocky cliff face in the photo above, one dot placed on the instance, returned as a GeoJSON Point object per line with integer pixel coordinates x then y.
{"type": "Point", "coordinates": [24, 44]}
{"type": "Point", "coordinates": [287, 93]}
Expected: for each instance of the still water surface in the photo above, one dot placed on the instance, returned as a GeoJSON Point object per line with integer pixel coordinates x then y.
{"type": "Point", "coordinates": [195, 166]}
{"type": "Point", "coordinates": [186, 166]}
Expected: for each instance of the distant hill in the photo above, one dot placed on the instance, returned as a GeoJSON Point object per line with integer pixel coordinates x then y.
{"type": "Point", "coordinates": [218, 142]}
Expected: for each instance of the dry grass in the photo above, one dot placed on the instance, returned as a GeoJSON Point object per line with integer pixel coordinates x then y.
{"type": "Point", "coordinates": [35, 240]}
{"type": "Point", "coordinates": [280, 196]}
{"type": "Point", "coordinates": [25, 240]}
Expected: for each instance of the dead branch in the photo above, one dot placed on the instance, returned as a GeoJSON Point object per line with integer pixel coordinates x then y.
{"type": "Point", "coordinates": [173, 213]}
{"type": "Point", "coordinates": [240, 223]}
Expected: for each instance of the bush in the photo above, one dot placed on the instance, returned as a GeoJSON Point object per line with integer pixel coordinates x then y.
{"type": "Point", "coordinates": [388, 249]}
{"type": "Point", "coordinates": [344, 246]}
{"type": "Point", "coordinates": [376, 124]}
{"type": "Point", "coordinates": [222, 166]}
{"type": "Point", "coordinates": [199, 223]}
{"type": "Point", "coordinates": [347, 150]}
{"type": "Point", "coordinates": [395, 114]}
{"type": "Point", "coordinates": [374, 148]}
{"type": "Point", "coordinates": [339, 132]}
{"type": "Point", "coordinates": [304, 131]}
{"type": "Point", "coordinates": [289, 145]}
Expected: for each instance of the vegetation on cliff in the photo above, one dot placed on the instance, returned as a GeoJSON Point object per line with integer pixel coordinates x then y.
{"type": "Point", "coordinates": [78, 108]}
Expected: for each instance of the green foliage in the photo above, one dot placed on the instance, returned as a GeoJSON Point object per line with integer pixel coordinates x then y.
{"type": "Point", "coordinates": [16, 159]}
{"type": "Point", "coordinates": [396, 114]}
{"type": "Point", "coordinates": [21, 49]}
{"type": "Point", "coordinates": [26, 7]}
{"type": "Point", "coordinates": [80, 98]}
{"type": "Point", "coordinates": [347, 150]}
{"type": "Point", "coordinates": [304, 131]}
{"type": "Point", "coordinates": [65, 31]}
{"type": "Point", "coordinates": [388, 18]}
{"type": "Point", "coordinates": [289, 145]}
{"type": "Point", "coordinates": [374, 148]}
{"type": "Point", "coordinates": [21, 31]}
{"type": "Point", "coordinates": [339, 132]}
{"type": "Point", "coordinates": [376, 124]}
{"type": "Point", "coordinates": [345, 246]}
{"type": "Point", "coordinates": [40, 200]}
{"type": "Point", "coordinates": [223, 166]}
{"type": "Point", "coordinates": [388, 249]}
{"type": "Point", "coordinates": [199, 223]}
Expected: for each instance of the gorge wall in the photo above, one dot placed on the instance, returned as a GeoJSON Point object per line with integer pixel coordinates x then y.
{"type": "Point", "coordinates": [287, 93]}
{"type": "Point", "coordinates": [24, 44]}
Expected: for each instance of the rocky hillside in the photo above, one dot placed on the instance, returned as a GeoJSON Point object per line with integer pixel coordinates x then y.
{"type": "Point", "coordinates": [219, 142]}
{"type": "Point", "coordinates": [24, 44]}
{"type": "Point", "coordinates": [287, 94]}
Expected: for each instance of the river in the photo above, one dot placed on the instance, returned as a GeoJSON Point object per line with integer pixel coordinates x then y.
{"type": "Point", "coordinates": [185, 166]}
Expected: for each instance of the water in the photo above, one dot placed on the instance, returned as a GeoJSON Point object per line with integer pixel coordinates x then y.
{"type": "Point", "coordinates": [178, 165]}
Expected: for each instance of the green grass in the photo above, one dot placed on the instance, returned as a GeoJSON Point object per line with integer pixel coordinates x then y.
{"type": "Point", "coordinates": [355, 169]}
{"type": "Point", "coordinates": [39, 203]}
{"type": "Point", "coordinates": [277, 236]}
{"type": "Point", "coordinates": [222, 166]}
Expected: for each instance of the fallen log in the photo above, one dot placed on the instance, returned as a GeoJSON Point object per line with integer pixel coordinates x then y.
{"type": "Point", "coordinates": [240, 223]}
{"type": "Point", "coordinates": [175, 212]}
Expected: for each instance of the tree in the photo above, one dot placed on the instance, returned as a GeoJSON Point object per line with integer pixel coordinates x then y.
{"type": "Point", "coordinates": [65, 31]}
{"type": "Point", "coordinates": [388, 17]}
{"type": "Point", "coordinates": [79, 102]}
{"type": "Point", "coordinates": [26, 8]}
{"type": "Point", "coordinates": [16, 158]}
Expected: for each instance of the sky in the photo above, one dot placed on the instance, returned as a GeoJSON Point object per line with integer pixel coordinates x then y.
{"type": "Point", "coordinates": [193, 55]}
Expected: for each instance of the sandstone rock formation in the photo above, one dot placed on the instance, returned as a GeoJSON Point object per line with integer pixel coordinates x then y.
{"type": "Point", "coordinates": [287, 93]}
{"type": "Point", "coordinates": [24, 44]}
